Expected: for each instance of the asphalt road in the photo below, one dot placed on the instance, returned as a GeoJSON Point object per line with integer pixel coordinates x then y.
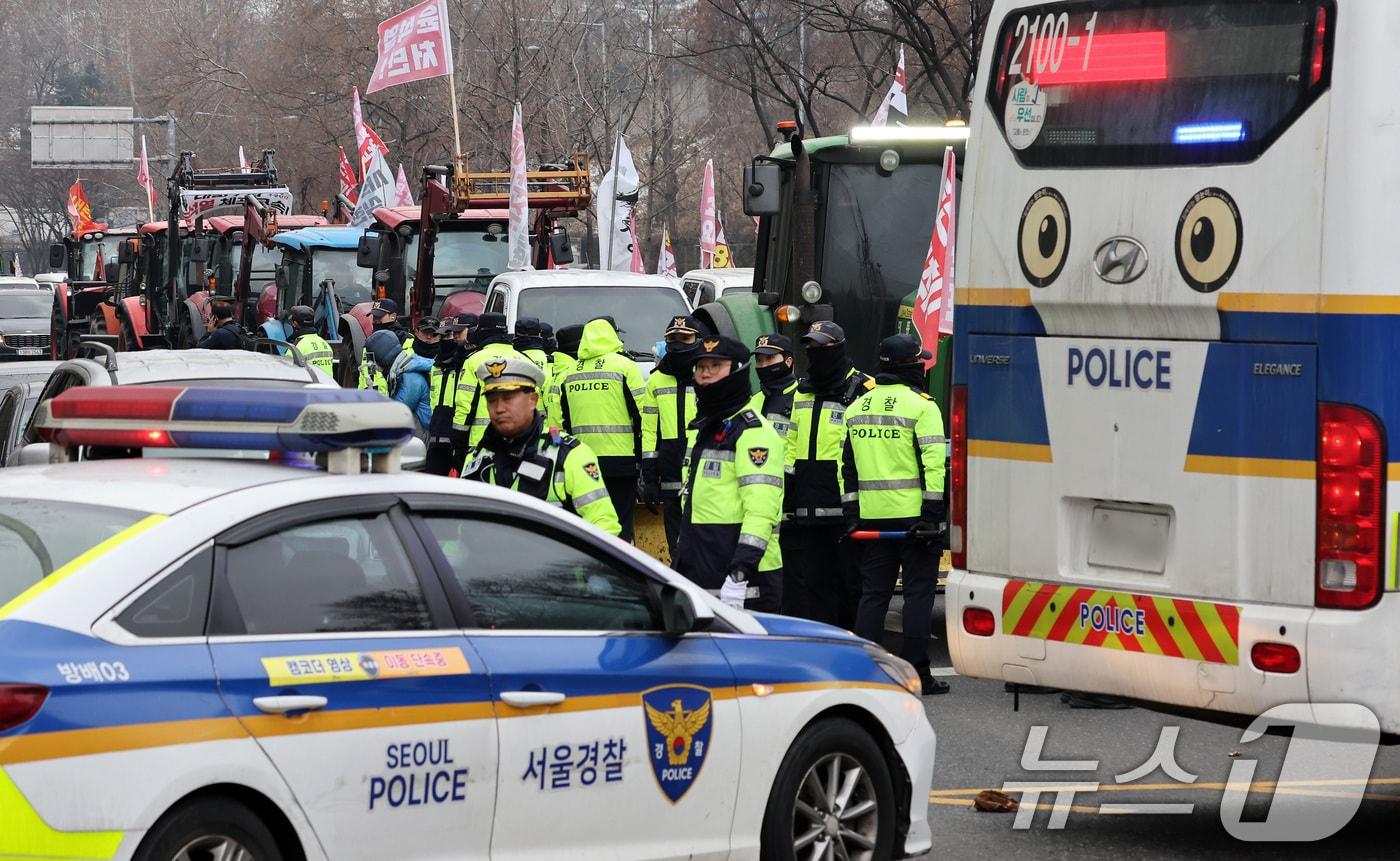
{"type": "Point", "coordinates": [981, 740]}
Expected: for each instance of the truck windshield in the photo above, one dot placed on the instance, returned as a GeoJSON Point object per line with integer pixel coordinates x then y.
{"type": "Point", "coordinates": [875, 237]}
{"type": "Point", "coordinates": [463, 255]}
{"type": "Point", "coordinates": [25, 303]}
{"type": "Point", "coordinates": [265, 261]}
{"type": "Point", "coordinates": [37, 537]}
{"type": "Point", "coordinates": [352, 284]}
{"type": "Point", "coordinates": [641, 312]}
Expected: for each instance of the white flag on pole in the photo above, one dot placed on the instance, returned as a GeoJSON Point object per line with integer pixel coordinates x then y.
{"type": "Point", "coordinates": [377, 190]}
{"type": "Point", "coordinates": [897, 98]}
{"type": "Point", "coordinates": [666, 257]}
{"type": "Point", "coordinates": [617, 195]}
{"type": "Point", "coordinates": [708, 218]}
{"type": "Point", "coordinates": [243, 166]}
{"type": "Point", "coordinates": [402, 190]}
{"type": "Point", "coordinates": [519, 231]}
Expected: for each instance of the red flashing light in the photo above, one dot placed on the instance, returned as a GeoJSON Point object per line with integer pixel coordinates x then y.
{"type": "Point", "coordinates": [69, 437]}
{"type": "Point", "coordinates": [1001, 76]}
{"type": "Point", "coordinates": [957, 512]}
{"type": "Point", "coordinates": [138, 403]}
{"type": "Point", "coordinates": [19, 703]}
{"type": "Point", "coordinates": [1350, 507]}
{"type": "Point", "coordinates": [979, 622]}
{"type": "Point", "coordinates": [1319, 51]}
{"type": "Point", "coordinates": [1276, 657]}
{"type": "Point", "coordinates": [1113, 58]}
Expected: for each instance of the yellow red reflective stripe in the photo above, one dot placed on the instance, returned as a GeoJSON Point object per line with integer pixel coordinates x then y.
{"type": "Point", "coordinates": [25, 834]}
{"type": "Point", "coordinates": [84, 559]}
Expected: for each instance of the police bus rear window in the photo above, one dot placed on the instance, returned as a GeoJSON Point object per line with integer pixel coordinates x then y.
{"type": "Point", "coordinates": [1157, 83]}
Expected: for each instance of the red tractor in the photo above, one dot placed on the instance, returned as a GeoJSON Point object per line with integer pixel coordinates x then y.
{"type": "Point", "coordinates": [83, 302]}
{"type": "Point", "coordinates": [439, 258]}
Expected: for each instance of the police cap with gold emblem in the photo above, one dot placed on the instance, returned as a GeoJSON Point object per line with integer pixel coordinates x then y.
{"type": "Point", "coordinates": [508, 374]}
{"type": "Point", "coordinates": [773, 344]}
{"type": "Point", "coordinates": [721, 347]}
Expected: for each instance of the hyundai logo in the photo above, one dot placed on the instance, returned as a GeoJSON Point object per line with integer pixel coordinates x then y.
{"type": "Point", "coordinates": [1120, 260]}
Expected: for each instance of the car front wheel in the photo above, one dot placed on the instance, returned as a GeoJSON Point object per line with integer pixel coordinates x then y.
{"type": "Point", "coordinates": [211, 829]}
{"type": "Point", "coordinates": [833, 799]}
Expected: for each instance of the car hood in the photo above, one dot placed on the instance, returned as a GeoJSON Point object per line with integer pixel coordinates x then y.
{"type": "Point", "coordinates": [25, 325]}
{"type": "Point", "coordinates": [787, 626]}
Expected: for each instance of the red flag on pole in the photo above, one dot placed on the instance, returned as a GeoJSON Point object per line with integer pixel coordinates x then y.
{"type": "Point", "coordinates": [933, 309]}
{"type": "Point", "coordinates": [637, 265]}
{"type": "Point", "coordinates": [348, 183]}
{"type": "Point", "coordinates": [79, 212]}
{"type": "Point", "coordinates": [365, 138]}
{"type": "Point", "coordinates": [402, 189]}
{"type": "Point", "coordinates": [413, 46]}
{"type": "Point", "coordinates": [707, 217]}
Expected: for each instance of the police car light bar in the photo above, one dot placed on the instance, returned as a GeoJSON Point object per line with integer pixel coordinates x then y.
{"type": "Point", "coordinates": [301, 420]}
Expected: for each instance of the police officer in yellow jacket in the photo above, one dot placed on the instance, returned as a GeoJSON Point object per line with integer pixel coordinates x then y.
{"type": "Point", "coordinates": [529, 340]}
{"type": "Point", "coordinates": [492, 341]}
{"type": "Point", "coordinates": [668, 408]}
{"type": "Point", "coordinates": [733, 491]}
{"type": "Point", "coordinates": [564, 356]}
{"type": "Point", "coordinates": [600, 401]}
{"type": "Point", "coordinates": [823, 581]}
{"type": "Point", "coordinates": [518, 451]}
{"type": "Point", "coordinates": [307, 341]}
{"type": "Point", "coordinates": [447, 448]}
{"type": "Point", "coordinates": [892, 481]}
{"type": "Point", "coordinates": [777, 383]}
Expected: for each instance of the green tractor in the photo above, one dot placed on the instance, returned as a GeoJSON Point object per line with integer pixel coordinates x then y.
{"type": "Point", "coordinates": [844, 227]}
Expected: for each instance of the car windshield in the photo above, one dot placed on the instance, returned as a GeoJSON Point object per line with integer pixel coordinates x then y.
{"type": "Point", "coordinates": [352, 284]}
{"type": "Point", "coordinates": [642, 313]}
{"type": "Point", "coordinates": [38, 537]}
{"type": "Point", "coordinates": [25, 303]}
{"type": "Point", "coordinates": [471, 256]}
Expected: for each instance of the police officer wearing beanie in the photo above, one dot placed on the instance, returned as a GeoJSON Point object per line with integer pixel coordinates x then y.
{"type": "Point", "coordinates": [492, 341]}
{"type": "Point", "coordinates": [529, 340]}
{"type": "Point", "coordinates": [564, 354]}
{"type": "Point", "coordinates": [668, 408]}
{"type": "Point", "coordinates": [892, 481]}
{"type": "Point", "coordinates": [823, 580]}
{"type": "Point", "coordinates": [733, 492]}
{"type": "Point", "coordinates": [520, 452]}
{"type": "Point", "coordinates": [307, 341]}
{"type": "Point", "coordinates": [600, 401]}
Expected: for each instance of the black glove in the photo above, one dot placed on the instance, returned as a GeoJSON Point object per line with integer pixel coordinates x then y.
{"type": "Point", "coordinates": [850, 511]}
{"type": "Point", "coordinates": [649, 483]}
{"type": "Point", "coordinates": [923, 530]}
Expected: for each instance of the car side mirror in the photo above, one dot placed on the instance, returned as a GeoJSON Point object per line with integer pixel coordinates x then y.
{"type": "Point", "coordinates": [762, 189]}
{"type": "Point", "coordinates": [367, 253]}
{"type": "Point", "coordinates": [126, 254]}
{"type": "Point", "coordinates": [678, 614]}
{"type": "Point", "coordinates": [201, 249]}
{"type": "Point", "coordinates": [34, 454]}
{"type": "Point", "coordinates": [58, 256]}
{"type": "Point", "coordinates": [560, 249]}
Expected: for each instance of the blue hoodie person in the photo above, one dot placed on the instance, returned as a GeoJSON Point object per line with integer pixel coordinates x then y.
{"type": "Point", "coordinates": [407, 374]}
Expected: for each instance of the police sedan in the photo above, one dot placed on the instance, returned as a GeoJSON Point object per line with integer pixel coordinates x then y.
{"type": "Point", "coordinates": [324, 657]}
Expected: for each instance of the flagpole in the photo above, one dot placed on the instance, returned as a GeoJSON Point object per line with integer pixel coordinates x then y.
{"type": "Point", "coordinates": [456, 123]}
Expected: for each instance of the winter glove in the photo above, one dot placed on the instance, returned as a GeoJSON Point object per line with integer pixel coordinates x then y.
{"type": "Point", "coordinates": [649, 484]}
{"type": "Point", "coordinates": [733, 591]}
{"type": "Point", "coordinates": [933, 533]}
{"type": "Point", "coordinates": [850, 512]}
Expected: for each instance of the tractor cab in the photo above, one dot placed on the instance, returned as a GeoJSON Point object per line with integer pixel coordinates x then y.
{"type": "Point", "coordinates": [317, 268]}
{"type": "Point", "coordinates": [83, 300]}
{"type": "Point", "coordinates": [439, 258]}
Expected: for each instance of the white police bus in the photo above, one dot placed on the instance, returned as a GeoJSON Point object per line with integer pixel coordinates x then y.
{"type": "Point", "coordinates": [1177, 307]}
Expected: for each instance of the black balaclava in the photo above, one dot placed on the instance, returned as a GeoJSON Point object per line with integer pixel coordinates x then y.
{"type": "Point", "coordinates": [679, 360]}
{"type": "Point", "coordinates": [912, 376]}
{"type": "Point", "coordinates": [426, 350]}
{"type": "Point", "coordinates": [726, 397]}
{"type": "Point", "coordinates": [828, 367]}
{"type": "Point", "coordinates": [775, 378]}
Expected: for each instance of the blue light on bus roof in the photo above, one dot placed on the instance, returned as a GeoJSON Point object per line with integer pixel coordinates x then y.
{"type": "Point", "coordinates": [1196, 133]}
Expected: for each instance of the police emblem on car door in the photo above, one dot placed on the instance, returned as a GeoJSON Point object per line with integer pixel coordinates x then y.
{"type": "Point", "coordinates": [678, 720]}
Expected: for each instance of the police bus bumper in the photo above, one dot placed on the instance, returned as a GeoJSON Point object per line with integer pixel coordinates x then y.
{"type": "Point", "coordinates": [1188, 654]}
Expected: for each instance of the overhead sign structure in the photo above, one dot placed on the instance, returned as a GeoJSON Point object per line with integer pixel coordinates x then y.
{"type": "Point", "coordinates": [84, 138]}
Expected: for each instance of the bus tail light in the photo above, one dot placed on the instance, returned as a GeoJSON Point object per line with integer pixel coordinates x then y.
{"type": "Point", "coordinates": [979, 622]}
{"type": "Point", "coordinates": [1276, 658]}
{"type": "Point", "coordinates": [1351, 475]}
{"type": "Point", "coordinates": [19, 703]}
{"type": "Point", "coordinates": [957, 499]}
{"type": "Point", "coordinates": [1319, 47]}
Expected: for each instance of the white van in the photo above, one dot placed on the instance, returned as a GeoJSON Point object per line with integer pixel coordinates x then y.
{"type": "Point", "coordinates": [703, 286]}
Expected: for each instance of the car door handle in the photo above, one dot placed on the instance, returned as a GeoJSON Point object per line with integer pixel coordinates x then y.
{"type": "Point", "coordinates": [529, 699]}
{"type": "Point", "coordinates": [283, 705]}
